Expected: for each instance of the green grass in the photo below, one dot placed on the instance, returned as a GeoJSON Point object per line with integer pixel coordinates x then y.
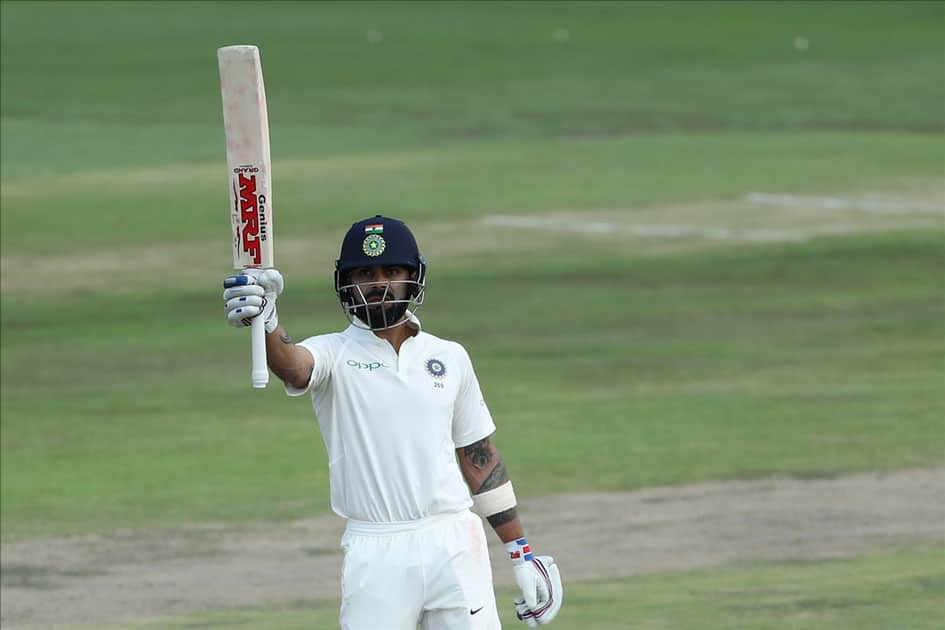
{"type": "Point", "coordinates": [810, 359]}
{"type": "Point", "coordinates": [610, 361]}
{"type": "Point", "coordinates": [465, 69]}
{"type": "Point", "coordinates": [897, 590]}
{"type": "Point", "coordinates": [459, 180]}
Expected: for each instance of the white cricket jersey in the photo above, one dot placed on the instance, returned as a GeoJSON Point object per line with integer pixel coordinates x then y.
{"type": "Point", "coordinates": [391, 423]}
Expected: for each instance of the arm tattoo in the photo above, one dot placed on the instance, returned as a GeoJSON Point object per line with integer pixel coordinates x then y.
{"type": "Point", "coordinates": [286, 339]}
{"type": "Point", "coordinates": [496, 478]}
{"type": "Point", "coordinates": [502, 517]}
{"type": "Point", "coordinates": [479, 454]}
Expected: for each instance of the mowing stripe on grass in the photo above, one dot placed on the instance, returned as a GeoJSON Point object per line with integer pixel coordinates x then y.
{"type": "Point", "coordinates": [643, 230]}
{"type": "Point", "coordinates": [903, 206]}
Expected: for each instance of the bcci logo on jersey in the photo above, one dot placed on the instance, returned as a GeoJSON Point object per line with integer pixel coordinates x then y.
{"type": "Point", "coordinates": [435, 368]}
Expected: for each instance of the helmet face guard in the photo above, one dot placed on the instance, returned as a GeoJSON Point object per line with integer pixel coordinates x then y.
{"type": "Point", "coordinates": [380, 305]}
{"type": "Point", "coordinates": [385, 242]}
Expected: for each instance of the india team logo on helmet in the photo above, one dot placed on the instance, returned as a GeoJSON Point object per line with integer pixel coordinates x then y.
{"type": "Point", "coordinates": [374, 244]}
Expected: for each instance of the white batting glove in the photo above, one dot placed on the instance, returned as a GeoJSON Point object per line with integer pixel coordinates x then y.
{"type": "Point", "coordinates": [540, 581]}
{"type": "Point", "coordinates": [250, 294]}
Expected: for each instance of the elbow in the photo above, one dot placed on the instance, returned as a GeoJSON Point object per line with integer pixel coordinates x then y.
{"type": "Point", "coordinates": [297, 378]}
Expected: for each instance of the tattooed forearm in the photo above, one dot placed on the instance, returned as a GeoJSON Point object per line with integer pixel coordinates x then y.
{"type": "Point", "coordinates": [479, 454]}
{"type": "Point", "coordinates": [484, 471]}
{"type": "Point", "coordinates": [502, 518]}
{"type": "Point", "coordinates": [286, 339]}
{"type": "Point", "coordinates": [496, 478]}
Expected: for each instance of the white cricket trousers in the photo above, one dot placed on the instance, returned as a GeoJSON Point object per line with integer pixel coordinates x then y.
{"type": "Point", "coordinates": [434, 572]}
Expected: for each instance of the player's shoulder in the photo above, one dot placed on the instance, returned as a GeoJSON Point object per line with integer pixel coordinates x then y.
{"type": "Point", "coordinates": [331, 336]}
{"type": "Point", "coordinates": [446, 346]}
{"type": "Point", "coordinates": [329, 340]}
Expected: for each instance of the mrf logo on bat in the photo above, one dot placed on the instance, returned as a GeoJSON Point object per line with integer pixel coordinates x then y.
{"type": "Point", "coordinates": [250, 207]}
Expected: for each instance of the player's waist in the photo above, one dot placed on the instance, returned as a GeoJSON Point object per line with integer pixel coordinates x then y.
{"type": "Point", "coordinates": [372, 528]}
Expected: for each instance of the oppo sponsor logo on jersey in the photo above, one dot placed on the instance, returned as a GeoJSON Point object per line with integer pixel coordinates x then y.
{"type": "Point", "coordinates": [252, 210]}
{"type": "Point", "coordinates": [435, 368]}
{"type": "Point", "coordinates": [370, 366]}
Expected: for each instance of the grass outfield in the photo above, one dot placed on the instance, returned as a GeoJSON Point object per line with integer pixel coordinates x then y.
{"type": "Point", "coordinates": [615, 357]}
{"type": "Point", "coordinates": [901, 590]}
{"type": "Point", "coordinates": [630, 360]}
{"type": "Point", "coordinates": [175, 202]}
{"type": "Point", "coordinates": [809, 359]}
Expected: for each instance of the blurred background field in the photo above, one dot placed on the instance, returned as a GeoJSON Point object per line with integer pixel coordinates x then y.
{"type": "Point", "coordinates": [681, 241]}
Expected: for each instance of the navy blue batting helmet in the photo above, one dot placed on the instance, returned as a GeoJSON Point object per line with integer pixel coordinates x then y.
{"type": "Point", "coordinates": [378, 241]}
{"type": "Point", "coordinates": [382, 241]}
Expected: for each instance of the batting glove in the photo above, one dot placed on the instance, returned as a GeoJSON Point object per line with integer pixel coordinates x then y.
{"type": "Point", "coordinates": [540, 581]}
{"type": "Point", "coordinates": [251, 294]}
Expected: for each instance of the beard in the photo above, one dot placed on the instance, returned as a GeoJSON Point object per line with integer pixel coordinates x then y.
{"type": "Point", "coordinates": [382, 315]}
{"type": "Point", "coordinates": [377, 306]}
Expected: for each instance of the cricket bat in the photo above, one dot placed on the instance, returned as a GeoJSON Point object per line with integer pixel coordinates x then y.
{"type": "Point", "coordinates": [249, 167]}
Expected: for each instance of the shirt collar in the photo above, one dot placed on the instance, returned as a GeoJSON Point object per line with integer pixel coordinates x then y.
{"type": "Point", "coordinates": [369, 336]}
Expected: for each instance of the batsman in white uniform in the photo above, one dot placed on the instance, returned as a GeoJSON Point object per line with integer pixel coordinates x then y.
{"type": "Point", "coordinates": [408, 436]}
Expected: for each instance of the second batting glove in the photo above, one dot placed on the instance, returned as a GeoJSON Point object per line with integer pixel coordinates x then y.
{"type": "Point", "coordinates": [540, 581]}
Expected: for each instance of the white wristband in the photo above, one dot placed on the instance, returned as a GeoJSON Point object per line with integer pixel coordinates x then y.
{"type": "Point", "coordinates": [519, 551]}
{"type": "Point", "coordinates": [494, 501]}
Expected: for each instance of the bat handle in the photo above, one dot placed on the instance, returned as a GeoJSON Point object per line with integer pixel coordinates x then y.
{"type": "Point", "coordinates": [260, 371]}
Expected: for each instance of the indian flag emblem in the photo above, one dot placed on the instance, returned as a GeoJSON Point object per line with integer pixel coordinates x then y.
{"type": "Point", "coordinates": [377, 228]}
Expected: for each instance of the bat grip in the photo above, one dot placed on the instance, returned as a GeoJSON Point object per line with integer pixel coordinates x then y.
{"type": "Point", "coordinates": [260, 372]}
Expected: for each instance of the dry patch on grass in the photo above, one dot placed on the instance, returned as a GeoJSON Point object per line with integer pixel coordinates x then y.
{"type": "Point", "coordinates": [754, 219]}
{"type": "Point", "coordinates": [139, 181]}
{"type": "Point", "coordinates": [133, 575]}
{"type": "Point", "coordinates": [161, 265]}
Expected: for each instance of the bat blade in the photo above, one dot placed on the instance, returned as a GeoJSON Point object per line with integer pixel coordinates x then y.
{"type": "Point", "coordinates": [249, 168]}
{"type": "Point", "coordinates": [246, 121]}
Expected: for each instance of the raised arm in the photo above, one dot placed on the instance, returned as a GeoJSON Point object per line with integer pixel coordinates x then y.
{"type": "Point", "coordinates": [253, 294]}
{"type": "Point", "coordinates": [288, 361]}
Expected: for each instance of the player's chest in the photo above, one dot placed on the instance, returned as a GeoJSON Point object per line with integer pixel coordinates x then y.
{"type": "Point", "coordinates": [417, 373]}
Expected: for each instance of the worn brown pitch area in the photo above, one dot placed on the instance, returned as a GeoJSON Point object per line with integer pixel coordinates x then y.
{"type": "Point", "coordinates": [134, 575]}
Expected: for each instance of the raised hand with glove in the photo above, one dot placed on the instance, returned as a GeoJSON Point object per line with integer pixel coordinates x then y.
{"type": "Point", "coordinates": [540, 581]}
{"type": "Point", "coordinates": [253, 293]}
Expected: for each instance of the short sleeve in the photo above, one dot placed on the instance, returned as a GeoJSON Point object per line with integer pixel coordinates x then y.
{"type": "Point", "coordinates": [471, 418]}
{"type": "Point", "coordinates": [321, 349]}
